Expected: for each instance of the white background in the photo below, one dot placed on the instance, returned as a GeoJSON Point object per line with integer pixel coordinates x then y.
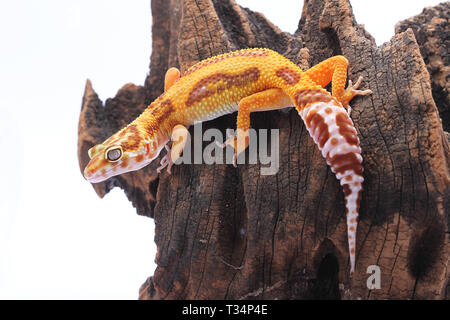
{"type": "Point", "coordinates": [58, 240]}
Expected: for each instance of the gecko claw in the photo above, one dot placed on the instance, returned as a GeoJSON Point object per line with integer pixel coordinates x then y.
{"type": "Point", "coordinates": [353, 88]}
{"type": "Point", "coordinates": [352, 91]}
{"type": "Point", "coordinates": [239, 143]}
{"type": "Point", "coordinates": [235, 160]}
{"type": "Point", "coordinates": [166, 161]}
{"type": "Point", "coordinates": [230, 142]}
{"type": "Point", "coordinates": [220, 145]}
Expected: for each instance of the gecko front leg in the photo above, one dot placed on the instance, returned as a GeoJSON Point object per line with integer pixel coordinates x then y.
{"type": "Point", "coordinates": [166, 161]}
{"type": "Point", "coordinates": [179, 132]}
{"type": "Point", "coordinates": [172, 76]}
{"type": "Point", "coordinates": [179, 138]}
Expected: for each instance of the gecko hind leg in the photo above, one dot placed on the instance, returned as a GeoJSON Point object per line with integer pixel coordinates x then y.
{"type": "Point", "coordinates": [179, 138]}
{"type": "Point", "coordinates": [334, 70]}
{"type": "Point", "coordinates": [352, 91]}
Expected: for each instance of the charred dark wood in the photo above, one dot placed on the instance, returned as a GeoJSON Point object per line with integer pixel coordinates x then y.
{"type": "Point", "coordinates": [431, 29]}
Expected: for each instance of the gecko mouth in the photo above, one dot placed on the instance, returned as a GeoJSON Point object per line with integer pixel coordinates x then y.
{"type": "Point", "coordinates": [95, 176]}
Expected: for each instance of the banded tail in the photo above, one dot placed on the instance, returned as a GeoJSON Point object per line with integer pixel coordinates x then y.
{"type": "Point", "coordinates": [333, 131]}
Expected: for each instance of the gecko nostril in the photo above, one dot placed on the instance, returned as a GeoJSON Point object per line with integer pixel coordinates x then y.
{"type": "Point", "coordinates": [88, 172]}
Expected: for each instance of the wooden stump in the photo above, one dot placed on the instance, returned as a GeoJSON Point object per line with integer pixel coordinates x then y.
{"type": "Point", "coordinates": [232, 233]}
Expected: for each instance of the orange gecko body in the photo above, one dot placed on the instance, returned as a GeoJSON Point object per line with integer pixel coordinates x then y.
{"type": "Point", "coordinates": [245, 81]}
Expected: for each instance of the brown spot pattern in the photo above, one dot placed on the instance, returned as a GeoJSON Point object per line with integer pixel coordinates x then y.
{"type": "Point", "coordinates": [307, 96]}
{"type": "Point", "coordinates": [346, 128]}
{"type": "Point", "coordinates": [334, 141]}
{"type": "Point", "coordinates": [324, 134]}
{"type": "Point", "coordinates": [342, 162]}
{"type": "Point", "coordinates": [140, 158]}
{"type": "Point", "coordinates": [124, 163]}
{"type": "Point", "coordinates": [160, 112]}
{"type": "Point", "coordinates": [122, 133]}
{"type": "Point", "coordinates": [346, 189]}
{"type": "Point", "coordinates": [317, 123]}
{"type": "Point", "coordinates": [218, 82]}
{"type": "Point", "coordinates": [165, 109]}
{"type": "Point", "coordinates": [358, 200]}
{"type": "Point", "coordinates": [96, 164]}
{"type": "Point", "coordinates": [242, 53]}
{"type": "Point", "coordinates": [133, 140]}
{"type": "Point", "coordinates": [289, 76]}
{"type": "Point", "coordinates": [309, 117]}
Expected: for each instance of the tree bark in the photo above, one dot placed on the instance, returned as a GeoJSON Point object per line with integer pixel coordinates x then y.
{"type": "Point", "coordinates": [231, 233]}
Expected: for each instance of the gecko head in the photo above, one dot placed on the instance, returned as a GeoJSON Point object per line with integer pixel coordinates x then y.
{"type": "Point", "coordinates": [123, 152]}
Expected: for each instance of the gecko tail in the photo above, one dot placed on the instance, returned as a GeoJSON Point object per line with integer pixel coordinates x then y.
{"type": "Point", "coordinates": [333, 131]}
{"type": "Point", "coordinates": [352, 199]}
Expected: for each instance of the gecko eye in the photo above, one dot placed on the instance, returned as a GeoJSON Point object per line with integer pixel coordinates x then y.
{"type": "Point", "coordinates": [114, 154]}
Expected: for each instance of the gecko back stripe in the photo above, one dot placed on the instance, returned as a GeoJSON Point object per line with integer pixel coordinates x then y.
{"type": "Point", "coordinates": [220, 81]}
{"type": "Point", "coordinates": [160, 114]}
{"type": "Point", "coordinates": [289, 76]}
